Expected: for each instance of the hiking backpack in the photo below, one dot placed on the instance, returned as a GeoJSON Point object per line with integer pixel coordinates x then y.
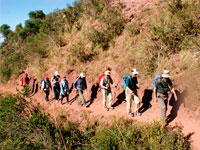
{"type": "Point", "coordinates": [47, 84]}
{"type": "Point", "coordinates": [156, 78]}
{"type": "Point", "coordinates": [100, 77]}
{"type": "Point", "coordinates": [124, 77]}
{"type": "Point", "coordinates": [76, 82]}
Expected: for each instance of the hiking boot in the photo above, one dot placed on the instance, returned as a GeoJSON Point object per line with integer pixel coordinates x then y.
{"type": "Point", "coordinates": [137, 114]}
{"type": "Point", "coordinates": [67, 103]}
{"type": "Point", "coordinates": [106, 109]}
{"type": "Point", "coordinates": [130, 114]}
{"type": "Point", "coordinates": [111, 108]}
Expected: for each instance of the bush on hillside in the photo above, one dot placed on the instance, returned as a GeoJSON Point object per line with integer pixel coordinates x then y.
{"type": "Point", "coordinates": [113, 25]}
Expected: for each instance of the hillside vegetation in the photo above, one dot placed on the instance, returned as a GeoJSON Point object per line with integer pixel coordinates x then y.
{"type": "Point", "coordinates": [96, 33]}
{"type": "Point", "coordinates": [19, 130]}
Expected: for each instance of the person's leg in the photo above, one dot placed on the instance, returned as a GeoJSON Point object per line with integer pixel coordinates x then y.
{"type": "Point", "coordinates": [54, 91]}
{"type": "Point", "coordinates": [161, 99]}
{"type": "Point", "coordinates": [58, 92]}
{"type": "Point", "coordinates": [110, 100]}
{"type": "Point", "coordinates": [61, 99]}
{"type": "Point", "coordinates": [81, 98]}
{"type": "Point", "coordinates": [47, 95]}
{"type": "Point", "coordinates": [67, 99]}
{"type": "Point", "coordinates": [103, 92]}
{"type": "Point", "coordinates": [128, 101]}
{"type": "Point", "coordinates": [137, 105]}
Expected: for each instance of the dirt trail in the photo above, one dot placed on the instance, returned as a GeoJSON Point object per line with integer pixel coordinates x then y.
{"type": "Point", "coordinates": [180, 115]}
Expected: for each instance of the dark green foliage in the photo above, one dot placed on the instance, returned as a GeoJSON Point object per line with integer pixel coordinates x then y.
{"type": "Point", "coordinates": [38, 14]}
{"type": "Point", "coordinates": [5, 30]}
{"type": "Point", "coordinates": [37, 132]}
{"type": "Point", "coordinates": [12, 65]}
{"type": "Point", "coordinates": [18, 27]}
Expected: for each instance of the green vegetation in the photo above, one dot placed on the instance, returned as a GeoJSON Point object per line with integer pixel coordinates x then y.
{"type": "Point", "coordinates": [18, 130]}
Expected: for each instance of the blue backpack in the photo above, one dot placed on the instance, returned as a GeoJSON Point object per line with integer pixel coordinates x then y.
{"type": "Point", "coordinates": [156, 78]}
{"type": "Point", "coordinates": [124, 77]}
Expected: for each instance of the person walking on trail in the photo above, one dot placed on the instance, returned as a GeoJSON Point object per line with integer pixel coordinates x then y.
{"type": "Point", "coordinates": [131, 93]}
{"type": "Point", "coordinates": [25, 83]}
{"type": "Point", "coordinates": [106, 90]}
{"type": "Point", "coordinates": [80, 85]}
{"type": "Point", "coordinates": [25, 80]}
{"type": "Point", "coordinates": [46, 87]}
{"type": "Point", "coordinates": [56, 85]}
{"type": "Point", "coordinates": [161, 90]}
{"type": "Point", "coordinates": [64, 90]}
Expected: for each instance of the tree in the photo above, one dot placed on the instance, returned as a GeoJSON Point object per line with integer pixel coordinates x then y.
{"type": "Point", "coordinates": [38, 14]}
{"type": "Point", "coordinates": [5, 30]}
{"type": "Point", "coordinates": [18, 27]}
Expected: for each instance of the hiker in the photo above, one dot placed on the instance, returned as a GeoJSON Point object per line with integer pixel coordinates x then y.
{"type": "Point", "coordinates": [46, 86]}
{"type": "Point", "coordinates": [131, 93]}
{"type": "Point", "coordinates": [80, 85]}
{"type": "Point", "coordinates": [161, 90]}
{"type": "Point", "coordinates": [25, 83]}
{"type": "Point", "coordinates": [25, 80]}
{"type": "Point", "coordinates": [106, 90]}
{"type": "Point", "coordinates": [56, 85]}
{"type": "Point", "coordinates": [64, 90]}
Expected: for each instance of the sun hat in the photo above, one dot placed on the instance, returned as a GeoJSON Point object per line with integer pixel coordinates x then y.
{"type": "Point", "coordinates": [107, 73]}
{"type": "Point", "coordinates": [165, 75]}
{"type": "Point", "coordinates": [82, 75]}
{"type": "Point", "coordinates": [56, 73]}
{"type": "Point", "coordinates": [134, 71]}
{"type": "Point", "coordinates": [166, 72]}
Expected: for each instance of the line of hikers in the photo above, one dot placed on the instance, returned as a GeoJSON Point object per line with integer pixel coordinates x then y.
{"type": "Point", "coordinates": [161, 86]}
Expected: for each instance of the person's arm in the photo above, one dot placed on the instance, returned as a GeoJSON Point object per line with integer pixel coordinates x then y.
{"type": "Point", "coordinates": [127, 85]}
{"type": "Point", "coordinates": [173, 91]}
{"type": "Point", "coordinates": [155, 95]}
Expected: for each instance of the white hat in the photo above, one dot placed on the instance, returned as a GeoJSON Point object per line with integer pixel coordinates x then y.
{"type": "Point", "coordinates": [82, 75]}
{"type": "Point", "coordinates": [165, 75]}
{"type": "Point", "coordinates": [56, 73]}
{"type": "Point", "coordinates": [134, 71]}
{"type": "Point", "coordinates": [107, 72]}
{"type": "Point", "coordinates": [166, 72]}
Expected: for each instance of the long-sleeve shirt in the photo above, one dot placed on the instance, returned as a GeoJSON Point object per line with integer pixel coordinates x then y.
{"type": "Point", "coordinates": [80, 83]}
{"type": "Point", "coordinates": [64, 86]}
{"type": "Point", "coordinates": [105, 82]}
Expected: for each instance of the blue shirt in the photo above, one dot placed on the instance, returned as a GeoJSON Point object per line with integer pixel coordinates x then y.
{"type": "Point", "coordinates": [64, 86]}
{"type": "Point", "coordinates": [132, 82]}
{"type": "Point", "coordinates": [80, 83]}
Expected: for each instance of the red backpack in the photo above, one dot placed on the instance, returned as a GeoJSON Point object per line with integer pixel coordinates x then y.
{"type": "Point", "coordinates": [100, 77]}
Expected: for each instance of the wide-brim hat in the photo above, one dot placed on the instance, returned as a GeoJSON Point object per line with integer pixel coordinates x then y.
{"type": "Point", "coordinates": [165, 75]}
{"type": "Point", "coordinates": [134, 71]}
{"type": "Point", "coordinates": [57, 74]}
{"type": "Point", "coordinates": [166, 72]}
{"type": "Point", "coordinates": [107, 73]}
{"type": "Point", "coordinates": [82, 75]}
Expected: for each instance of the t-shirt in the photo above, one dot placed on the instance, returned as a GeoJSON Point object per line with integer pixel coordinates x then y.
{"type": "Point", "coordinates": [132, 83]}
{"type": "Point", "coordinates": [163, 87]}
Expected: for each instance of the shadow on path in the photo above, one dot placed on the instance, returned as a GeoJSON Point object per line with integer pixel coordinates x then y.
{"type": "Point", "coordinates": [147, 97]}
{"type": "Point", "coordinates": [176, 105]}
{"type": "Point", "coordinates": [94, 90]}
{"type": "Point", "coordinates": [120, 99]}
